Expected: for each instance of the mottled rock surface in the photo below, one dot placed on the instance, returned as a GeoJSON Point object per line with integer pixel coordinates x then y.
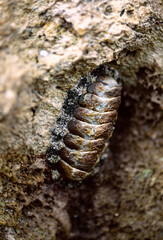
{"type": "Point", "coordinates": [45, 48]}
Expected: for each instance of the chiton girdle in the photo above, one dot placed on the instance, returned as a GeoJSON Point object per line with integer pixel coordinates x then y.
{"type": "Point", "coordinates": [87, 121]}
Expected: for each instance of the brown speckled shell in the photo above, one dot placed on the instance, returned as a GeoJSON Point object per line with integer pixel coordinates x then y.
{"type": "Point", "coordinates": [90, 129]}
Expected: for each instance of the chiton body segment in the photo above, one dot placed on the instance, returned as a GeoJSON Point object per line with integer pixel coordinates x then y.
{"type": "Point", "coordinates": [90, 128]}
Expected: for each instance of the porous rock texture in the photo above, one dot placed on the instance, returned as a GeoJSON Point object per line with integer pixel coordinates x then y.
{"type": "Point", "coordinates": [45, 48]}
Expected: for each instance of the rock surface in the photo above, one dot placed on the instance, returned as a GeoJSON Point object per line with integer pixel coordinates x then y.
{"type": "Point", "coordinates": [46, 47]}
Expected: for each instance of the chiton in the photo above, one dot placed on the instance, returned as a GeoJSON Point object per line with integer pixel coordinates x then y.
{"type": "Point", "coordinates": [89, 129]}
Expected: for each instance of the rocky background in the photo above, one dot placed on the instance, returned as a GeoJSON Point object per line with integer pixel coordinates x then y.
{"type": "Point", "coordinates": [45, 48]}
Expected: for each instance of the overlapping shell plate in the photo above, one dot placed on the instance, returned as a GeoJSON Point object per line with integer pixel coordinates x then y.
{"type": "Point", "coordinates": [89, 129]}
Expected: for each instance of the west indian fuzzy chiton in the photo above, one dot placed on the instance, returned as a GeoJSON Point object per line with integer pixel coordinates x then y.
{"type": "Point", "coordinates": [82, 132]}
